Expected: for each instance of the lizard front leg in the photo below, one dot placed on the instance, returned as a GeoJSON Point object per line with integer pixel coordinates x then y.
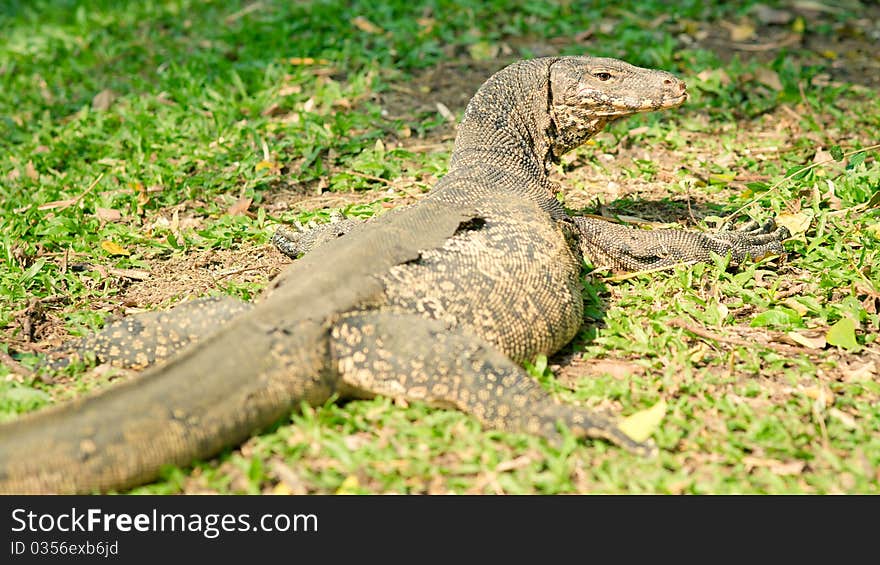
{"type": "Point", "coordinates": [296, 243]}
{"type": "Point", "coordinates": [628, 248]}
{"type": "Point", "coordinates": [418, 359]}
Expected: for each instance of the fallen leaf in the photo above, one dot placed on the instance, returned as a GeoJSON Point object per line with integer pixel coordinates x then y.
{"type": "Point", "coordinates": [715, 74]}
{"type": "Point", "coordinates": [103, 100]}
{"type": "Point", "coordinates": [843, 334]}
{"type": "Point", "coordinates": [641, 425]}
{"type": "Point", "coordinates": [768, 78]}
{"type": "Point", "coordinates": [240, 207]}
{"type": "Point", "coordinates": [306, 61]}
{"type": "Point", "coordinates": [273, 109]}
{"type": "Point", "coordinates": [772, 16]}
{"type": "Point", "coordinates": [289, 89]}
{"type": "Point", "coordinates": [349, 485]}
{"type": "Point", "coordinates": [848, 421]}
{"type": "Point", "coordinates": [796, 223]}
{"type": "Point", "coordinates": [483, 51]}
{"type": "Point", "coordinates": [114, 248]}
{"type": "Point", "coordinates": [366, 25]}
{"type": "Point", "coordinates": [427, 25]}
{"type": "Point", "coordinates": [262, 165]}
{"type": "Point", "coordinates": [742, 31]}
{"type": "Point", "coordinates": [282, 489]}
{"type": "Point", "coordinates": [821, 394]}
{"type": "Point", "coordinates": [790, 468]}
{"type": "Point", "coordinates": [817, 342]}
{"type": "Point", "coordinates": [31, 171]}
{"type": "Point", "coordinates": [859, 372]}
{"type": "Point", "coordinates": [445, 112]}
{"type": "Point", "coordinates": [108, 214]}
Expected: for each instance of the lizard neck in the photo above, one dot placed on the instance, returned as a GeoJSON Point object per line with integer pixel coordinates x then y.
{"type": "Point", "coordinates": [508, 124]}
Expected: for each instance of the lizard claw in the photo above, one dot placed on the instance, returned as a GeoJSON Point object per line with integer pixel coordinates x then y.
{"type": "Point", "coordinates": [753, 240]}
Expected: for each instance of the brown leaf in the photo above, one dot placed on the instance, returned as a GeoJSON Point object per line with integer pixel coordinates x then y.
{"type": "Point", "coordinates": [31, 171]}
{"type": "Point", "coordinates": [306, 61]}
{"type": "Point", "coordinates": [720, 74]}
{"type": "Point", "coordinates": [273, 109]}
{"type": "Point", "coordinates": [743, 31]}
{"type": "Point", "coordinates": [858, 372]}
{"type": "Point", "coordinates": [108, 214]}
{"type": "Point", "coordinates": [366, 25]}
{"type": "Point", "coordinates": [240, 207]}
{"type": "Point", "coordinates": [445, 112]}
{"type": "Point", "coordinates": [771, 16]}
{"type": "Point", "coordinates": [768, 78]}
{"type": "Point", "coordinates": [103, 100]}
{"type": "Point", "coordinates": [810, 342]}
{"type": "Point", "coordinates": [789, 468]}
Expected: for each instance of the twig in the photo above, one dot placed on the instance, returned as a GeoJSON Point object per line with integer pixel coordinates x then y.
{"type": "Point", "coordinates": [243, 12]}
{"type": "Point", "coordinates": [706, 334]}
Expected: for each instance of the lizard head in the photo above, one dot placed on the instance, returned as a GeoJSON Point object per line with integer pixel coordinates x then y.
{"type": "Point", "coordinates": [586, 93]}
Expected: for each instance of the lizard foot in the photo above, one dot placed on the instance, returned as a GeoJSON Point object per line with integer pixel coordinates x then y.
{"type": "Point", "coordinates": [633, 249]}
{"type": "Point", "coordinates": [297, 242]}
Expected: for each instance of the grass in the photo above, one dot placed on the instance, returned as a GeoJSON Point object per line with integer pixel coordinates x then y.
{"type": "Point", "coordinates": [133, 134]}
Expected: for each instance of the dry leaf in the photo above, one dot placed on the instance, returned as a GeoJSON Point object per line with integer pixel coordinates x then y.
{"type": "Point", "coordinates": [114, 248]}
{"type": "Point", "coordinates": [349, 485]}
{"type": "Point", "coordinates": [108, 214]}
{"type": "Point", "coordinates": [791, 468]}
{"type": "Point", "coordinates": [742, 31]}
{"type": "Point", "coordinates": [641, 425]}
{"type": "Point", "coordinates": [273, 109]}
{"type": "Point", "coordinates": [768, 78]}
{"type": "Point", "coordinates": [772, 16]}
{"type": "Point", "coordinates": [817, 342]}
{"type": "Point", "coordinates": [796, 223]}
{"type": "Point", "coordinates": [483, 51]}
{"type": "Point", "coordinates": [821, 394]}
{"type": "Point", "coordinates": [240, 207]}
{"type": "Point", "coordinates": [844, 418]}
{"type": "Point", "coordinates": [281, 489]}
{"type": "Point", "coordinates": [289, 89]}
{"type": "Point", "coordinates": [445, 112]}
{"type": "Point", "coordinates": [263, 165]}
{"type": "Point", "coordinates": [859, 372]}
{"type": "Point", "coordinates": [31, 171]}
{"type": "Point", "coordinates": [366, 25]}
{"type": "Point", "coordinates": [103, 100]}
{"type": "Point", "coordinates": [719, 74]}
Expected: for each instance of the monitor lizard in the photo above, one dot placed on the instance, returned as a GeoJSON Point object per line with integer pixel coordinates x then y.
{"type": "Point", "coordinates": [439, 301]}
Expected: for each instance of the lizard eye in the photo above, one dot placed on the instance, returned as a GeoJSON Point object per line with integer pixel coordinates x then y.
{"type": "Point", "coordinates": [603, 76]}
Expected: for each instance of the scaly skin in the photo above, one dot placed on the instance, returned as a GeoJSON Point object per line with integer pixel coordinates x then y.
{"type": "Point", "coordinates": [435, 302]}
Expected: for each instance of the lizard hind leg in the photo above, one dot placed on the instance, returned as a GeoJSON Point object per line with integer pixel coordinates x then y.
{"type": "Point", "coordinates": [417, 359]}
{"type": "Point", "coordinates": [142, 340]}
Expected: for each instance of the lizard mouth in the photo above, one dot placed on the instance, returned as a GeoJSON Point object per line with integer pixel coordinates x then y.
{"type": "Point", "coordinates": [627, 107]}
